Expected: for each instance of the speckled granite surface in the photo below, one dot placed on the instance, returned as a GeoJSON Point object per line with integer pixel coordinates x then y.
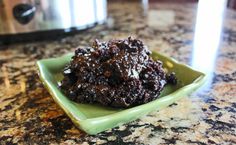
{"type": "Point", "coordinates": [28, 115]}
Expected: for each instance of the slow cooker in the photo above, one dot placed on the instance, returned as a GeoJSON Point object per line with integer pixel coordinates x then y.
{"type": "Point", "coordinates": [24, 19]}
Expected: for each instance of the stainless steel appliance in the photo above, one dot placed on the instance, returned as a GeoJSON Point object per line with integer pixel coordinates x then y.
{"type": "Point", "coordinates": [30, 16]}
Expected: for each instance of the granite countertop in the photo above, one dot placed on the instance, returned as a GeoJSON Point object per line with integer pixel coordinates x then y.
{"type": "Point", "coordinates": [29, 115]}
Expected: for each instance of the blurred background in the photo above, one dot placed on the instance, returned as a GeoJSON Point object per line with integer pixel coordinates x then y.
{"type": "Point", "coordinates": [33, 19]}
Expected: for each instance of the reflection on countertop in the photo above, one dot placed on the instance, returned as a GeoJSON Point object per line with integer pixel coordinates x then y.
{"type": "Point", "coordinates": [183, 31]}
{"type": "Point", "coordinates": [207, 36]}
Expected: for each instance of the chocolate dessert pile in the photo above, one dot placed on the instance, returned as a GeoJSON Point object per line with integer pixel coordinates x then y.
{"type": "Point", "coordinates": [117, 73]}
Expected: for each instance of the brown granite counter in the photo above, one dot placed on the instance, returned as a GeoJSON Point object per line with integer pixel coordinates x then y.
{"type": "Point", "coordinates": [28, 115]}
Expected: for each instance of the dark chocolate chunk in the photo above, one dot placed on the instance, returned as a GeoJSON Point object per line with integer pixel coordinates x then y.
{"type": "Point", "coordinates": [171, 78]}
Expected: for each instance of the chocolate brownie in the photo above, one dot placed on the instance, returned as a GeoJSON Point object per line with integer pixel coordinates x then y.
{"type": "Point", "coordinates": [117, 73]}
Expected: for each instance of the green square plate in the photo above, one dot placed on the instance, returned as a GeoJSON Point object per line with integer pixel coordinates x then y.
{"type": "Point", "coordinates": [93, 118]}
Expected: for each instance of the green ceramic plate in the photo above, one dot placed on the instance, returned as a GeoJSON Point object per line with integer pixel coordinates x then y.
{"type": "Point", "coordinates": [93, 118]}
